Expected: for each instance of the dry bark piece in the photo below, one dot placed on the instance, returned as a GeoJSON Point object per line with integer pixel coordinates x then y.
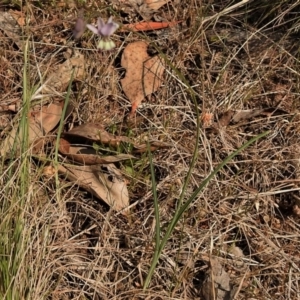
{"type": "Point", "coordinates": [143, 74]}
{"type": "Point", "coordinates": [95, 132]}
{"type": "Point", "coordinates": [217, 286]}
{"type": "Point", "coordinates": [103, 181]}
{"type": "Point", "coordinates": [88, 155]}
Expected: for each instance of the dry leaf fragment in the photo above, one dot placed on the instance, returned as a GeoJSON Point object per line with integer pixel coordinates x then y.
{"type": "Point", "coordinates": [103, 181]}
{"type": "Point", "coordinates": [88, 155]}
{"type": "Point", "coordinates": [11, 107]}
{"type": "Point", "coordinates": [143, 74]}
{"type": "Point", "coordinates": [217, 286]}
{"type": "Point", "coordinates": [241, 115]}
{"type": "Point", "coordinates": [95, 132]}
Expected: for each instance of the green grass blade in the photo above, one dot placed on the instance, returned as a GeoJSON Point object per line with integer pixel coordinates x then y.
{"type": "Point", "coordinates": [181, 209]}
{"type": "Point", "coordinates": [156, 207]}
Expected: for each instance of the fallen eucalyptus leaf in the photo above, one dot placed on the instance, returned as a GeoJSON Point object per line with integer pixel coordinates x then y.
{"type": "Point", "coordinates": [143, 74]}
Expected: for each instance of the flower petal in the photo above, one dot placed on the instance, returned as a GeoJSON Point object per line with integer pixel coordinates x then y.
{"type": "Point", "coordinates": [110, 20]}
{"type": "Point", "coordinates": [109, 29]}
{"type": "Point", "coordinates": [92, 28]}
{"type": "Point", "coordinates": [100, 24]}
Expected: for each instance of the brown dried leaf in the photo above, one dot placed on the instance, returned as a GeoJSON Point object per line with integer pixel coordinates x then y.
{"type": "Point", "coordinates": [246, 114]}
{"type": "Point", "coordinates": [251, 113]}
{"type": "Point", "coordinates": [19, 16]}
{"type": "Point", "coordinates": [103, 181]}
{"type": "Point", "coordinates": [11, 28]}
{"type": "Point", "coordinates": [35, 132]}
{"type": "Point", "coordinates": [59, 80]}
{"type": "Point", "coordinates": [40, 123]}
{"type": "Point", "coordinates": [217, 286]}
{"type": "Point", "coordinates": [143, 74]}
{"type": "Point", "coordinates": [95, 132]}
{"type": "Point", "coordinates": [88, 155]}
{"type": "Point", "coordinates": [49, 116]}
{"type": "Point", "coordinates": [155, 4]}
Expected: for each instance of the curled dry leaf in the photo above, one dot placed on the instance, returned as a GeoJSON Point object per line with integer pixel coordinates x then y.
{"type": "Point", "coordinates": [95, 132]}
{"type": "Point", "coordinates": [103, 181]}
{"type": "Point", "coordinates": [88, 155]}
{"type": "Point", "coordinates": [143, 74]}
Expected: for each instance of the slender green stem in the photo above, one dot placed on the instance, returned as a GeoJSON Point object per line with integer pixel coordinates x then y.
{"type": "Point", "coordinates": [156, 207]}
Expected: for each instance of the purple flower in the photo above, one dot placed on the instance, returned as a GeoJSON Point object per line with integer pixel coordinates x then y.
{"type": "Point", "coordinates": [104, 30]}
{"type": "Point", "coordinates": [79, 26]}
